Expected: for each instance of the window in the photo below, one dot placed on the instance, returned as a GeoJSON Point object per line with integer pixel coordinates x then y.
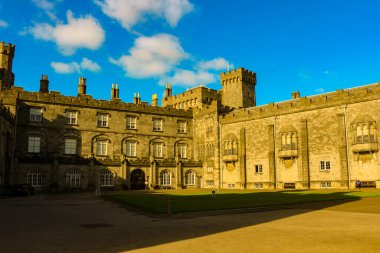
{"type": "Point", "coordinates": [326, 184]}
{"type": "Point", "coordinates": [35, 114]}
{"type": "Point", "coordinates": [157, 124]}
{"type": "Point", "coordinates": [210, 169]}
{"type": "Point", "coordinates": [259, 168]}
{"type": "Point", "coordinates": [182, 150]}
{"type": "Point", "coordinates": [231, 186]}
{"type": "Point", "coordinates": [181, 127]}
{"type": "Point", "coordinates": [102, 120]}
{"type": "Point", "coordinates": [166, 178]}
{"type": "Point", "coordinates": [190, 178]}
{"type": "Point", "coordinates": [131, 122]}
{"type": "Point", "coordinates": [325, 165]}
{"type": "Point", "coordinates": [71, 117]}
{"type": "Point", "coordinates": [101, 147]}
{"type": "Point", "coordinates": [34, 144]}
{"type": "Point", "coordinates": [70, 146]}
{"type": "Point", "coordinates": [365, 134]}
{"type": "Point", "coordinates": [210, 183]}
{"type": "Point", "coordinates": [34, 177]}
{"type": "Point", "coordinates": [130, 148]}
{"type": "Point", "coordinates": [289, 141]}
{"type": "Point", "coordinates": [157, 149]}
{"type": "Point", "coordinates": [230, 148]}
{"type": "Point", "coordinates": [259, 185]}
{"type": "Point", "coordinates": [106, 178]}
{"type": "Point", "coordinates": [73, 178]}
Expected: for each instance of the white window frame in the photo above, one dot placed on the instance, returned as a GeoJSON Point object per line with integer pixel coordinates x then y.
{"type": "Point", "coordinates": [70, 146]}
{"type": "Point", "coordinates": [325, 166]}
{"type": "Point", "coordinates": [210, 183]}
{"type": "Point", "coordinates": [106, 178]}
{"type": "Point", "coordinates": [166, 178]}
{"type": "Point", "coordinates": [182, 150]}
{"type": "Point", "coordinates": [157, 125]}
{"type": "Point", "coordinates": [190, 177]}
{"type": "Point", "coordinates": [35, 114]}
{"type": "Point", "coordinates": [34, 177]}
{"type": "Point", "coordinates": [182, 127]}
{"type": "Point", "coordinates": [73, 178]}
{"type": "Point", "coordinates": [131, 122]}
{"type": "Point", "coordinates": [101, 147]}
{"type": "Point", "coordinates": [158, 149]}
{"type": "Point", "coordinates": [71, 117]}
{"type": "Point", "coordinates": [34, 144]}
{"type": "Point", "coordinates": [326, 184]}
{"type": "Point", "coordinates": [258, 168]}
{"type": "Point", "coordinates": [210, 169]}
{"type": "Point", "coordinates": [102, 120]}
{"type": "Point", "coordinates": [130, 148]}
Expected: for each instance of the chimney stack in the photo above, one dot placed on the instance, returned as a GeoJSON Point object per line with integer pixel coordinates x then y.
{"type": "Point", "coordinates": [296, 95]}
{"type": "Point", "coordinates": [115, 92]}
{"type": "Point", "coordinates": [44, 84]}
{"type": "Point", "coordinates": [168, 90]}
{"type": "Point", "coordinates": [154, 100]}
{"type": "Point", "coordinates": [82, 86]}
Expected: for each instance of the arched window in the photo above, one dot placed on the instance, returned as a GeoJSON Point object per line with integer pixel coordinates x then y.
{"type": "Point", "coordinates": [73, 178]}
{"type": "Point", "coordinates": [365, 134]}
{"type": "Point", "coordinates": [359, 134]}
{"type": "Point", "coordinates": [106, 178]}
{"type": "Point", "coordinates": [294, 141]}
{"type": "Point", "coordinates": [190, 178]}
{"type": "Point", "coordinates": [166, 178]}
{"type": "Point", "coordinates": [288, 141]}
{"type": "Point", "coordinates": [372, 133]}
{"type": "Point", "coordinates": [34, 177]}
{"type": "Point", "coordinates": [234, 148]}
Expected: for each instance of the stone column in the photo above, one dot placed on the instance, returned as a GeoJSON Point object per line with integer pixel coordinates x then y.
{"type": "Point", "coordinates": [271, 155]}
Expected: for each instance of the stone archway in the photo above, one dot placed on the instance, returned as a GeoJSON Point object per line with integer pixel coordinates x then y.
{"type": "Point", "coordinates": [137, 180]}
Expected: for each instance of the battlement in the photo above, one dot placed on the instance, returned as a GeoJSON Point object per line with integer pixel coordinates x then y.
{"type": "Point", "coordinates": [238, 71]}
{"type": "Point", "coordinates": [8, 49]}
{"type": "Point", "coordinates": [55, 97]}
{"type": "Point", "coordinates": [308, 103]}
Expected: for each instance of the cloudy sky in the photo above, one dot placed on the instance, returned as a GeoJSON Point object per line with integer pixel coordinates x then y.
{"type": "Point", "coordinates": [309, 46]}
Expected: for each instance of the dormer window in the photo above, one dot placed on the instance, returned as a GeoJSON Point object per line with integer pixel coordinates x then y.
{"type": "Point", "coordinates": [35, 114]}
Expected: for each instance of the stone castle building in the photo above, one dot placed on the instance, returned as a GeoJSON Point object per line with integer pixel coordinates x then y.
{"type": "Point", "coordinates": [201, 138]}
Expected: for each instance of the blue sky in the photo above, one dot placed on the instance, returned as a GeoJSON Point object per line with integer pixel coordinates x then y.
{"type": "Point", "coordinates": [309, 46]}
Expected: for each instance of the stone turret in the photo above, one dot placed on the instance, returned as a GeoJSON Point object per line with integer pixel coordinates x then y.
{"type": "Point", "coordinates": [7, 52]}
{"type": "Point", "coordinates": [154, 100]}
{"type": "Point", "coordinates": [296, 95]}
{"type": "Point", "coordinates": [238, 88]}
{"type": "Point", "coordinates": [44, 84]}
{"type": "Point", "coordinates": [82, 86]}
{"type": "Point", "coordinates": [168, 90]}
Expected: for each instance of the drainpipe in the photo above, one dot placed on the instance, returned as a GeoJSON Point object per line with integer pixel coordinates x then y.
{"type": "Point", "coordinates": [347, 153]}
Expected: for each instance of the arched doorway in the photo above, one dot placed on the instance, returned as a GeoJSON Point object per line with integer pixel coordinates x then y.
{"type": "Point", "coordinates": [137, 180]}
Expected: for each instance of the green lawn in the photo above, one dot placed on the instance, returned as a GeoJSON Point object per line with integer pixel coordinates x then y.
{"type": "Point", "coordinates": [201, 200]}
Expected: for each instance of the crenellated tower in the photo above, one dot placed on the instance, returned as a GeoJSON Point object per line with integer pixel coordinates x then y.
{"type": "Point", "coordinates": [7, 52]}
{"type": "Point", "coordinates": [238, 88]}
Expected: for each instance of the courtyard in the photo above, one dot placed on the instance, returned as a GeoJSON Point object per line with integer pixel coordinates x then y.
{"type": "Point", "coordinates": [86, 223]}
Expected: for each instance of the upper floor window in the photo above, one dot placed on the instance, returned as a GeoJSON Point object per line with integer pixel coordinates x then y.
{"type": "Point", "coordinates": [70, 146]}
{"type": "Point", "coordinates": [289, 141]}
{"type": "Point", "coordinates": [71, 117]}
{"type": "Point", "coordinates": [157, 149]}
{"type": "Point", "coordinates": [230, 147]}
{"type": "Point", "coordinates": [157, 124]}
{"type": "Point", "coordinates": [324, 165]}
{"type": "Point", "coordinates": [34, 144]}
{"type": "Point", "coordinates": [259, 168]}
{"type": "Point", "coordinates": [182, 150]}
{"type": "Point", "coordinates": [365, 133]}
{"type": "Point", "coordinates": [130, 148]}
{"type": "Point", "coordinates": [101, 147]}
{"type": "Point", "coordinates": [131, 122]}
{"type": "Point", "coordinates": [181, 127]}
{"type": "Point", "coordinates": [35, 114]}
{"type": "Point", "coordinates": [102, 120]}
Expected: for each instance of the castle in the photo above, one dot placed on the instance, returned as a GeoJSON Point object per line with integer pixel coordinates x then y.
{"type": "Point", "coordinates": [201, 138]}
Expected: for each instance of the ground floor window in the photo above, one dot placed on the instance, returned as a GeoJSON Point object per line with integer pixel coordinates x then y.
{"type": "Point", "coordinates": [34, 177]}
{"type": "Point", "coordinates": [231, 186]}
{"type": "Point", "coordinates": [190, 178]}
{"type": "Point", "coordinates": [210, 183]}
{"type": "Point", "coordinates": [326, 184]}
{"type": "Point", "coordinates": [166, 177]}
{"type": "Point", "coordinates": [106, 178]}
{"type": "Point", "coordinates": [73, 178]}
{"type": "Point", "coordinates": [258, 185]}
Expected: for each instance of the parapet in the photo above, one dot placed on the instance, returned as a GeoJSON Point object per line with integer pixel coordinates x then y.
{"type": "Point", "coordinates": [8, 49]}
{"type": "Point", "coordinates": [241, 71]}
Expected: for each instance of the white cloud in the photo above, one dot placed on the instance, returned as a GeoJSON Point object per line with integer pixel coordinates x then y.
{"type": "Point", "coordinates": [3, 24]}
{"type": "Point", "coordinates": [152, 56]}
{"type": "Point", "coordinates": [131, 12]}
{"type": "Point", "coordinates": [320, 90]}
{"type": "Point", "coordinates": [190, 78]}
{"type": "Point", "coordinates": [75, 67]}
{"type": "Point", "coordinates": [82, 32]}
{"type": "Point", "coordinates": [48, 7]}
{"type": "Point", "coordinates": [215, 64]}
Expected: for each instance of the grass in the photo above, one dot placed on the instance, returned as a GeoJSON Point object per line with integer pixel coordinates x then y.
{"type": "Point", "coordinates": [201, 200]}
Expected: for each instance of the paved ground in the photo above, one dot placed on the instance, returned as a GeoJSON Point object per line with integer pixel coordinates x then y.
{"type": "Point", "coordinates": [83, 223]}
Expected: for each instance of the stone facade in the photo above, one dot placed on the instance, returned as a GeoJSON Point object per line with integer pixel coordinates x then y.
{"type": "Point", "coordinates": [201, 138]}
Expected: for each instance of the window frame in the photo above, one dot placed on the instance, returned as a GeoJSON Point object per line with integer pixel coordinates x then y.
{"type": "Point", "coordinates": [165, 178]}
{"type": "Point", "coordinates": [72, 148]}
{"type": "Point", "coordinates": [107, 178]}
{"type": "Point", "coordinates": [158, 146]}
{"type": "Point", "coordinates": [182, 150]}
{"type": "Point", "coordinates": [130, 148]}
{"type": "Point", "coordinates": [131, 122]}
{"type": "Point", "coordinates": [102, 120]}
{"type": "Point", "coordinates": [73, 178]}
{"type": "Point", "coordinates": [190, 177]}
{"type": "Point", "coordinates": [325, 165]}
{"type": "Point", "coordinates": [157, 125]}
{"type": "Point", "coordinates": [258, 168]}
{"type": "Point", "coordinates": [182, 127]}
{"type": "Point", "coordinates": [100, 146]}
{"type": "Point", "coordinates": [34, 177]}
{"type": "Point", "coordinates": [35, 117]}
{"type": "Point", "coordinates": [32, 147]}
{"type": "Point", "coordinates": [69, 118]}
